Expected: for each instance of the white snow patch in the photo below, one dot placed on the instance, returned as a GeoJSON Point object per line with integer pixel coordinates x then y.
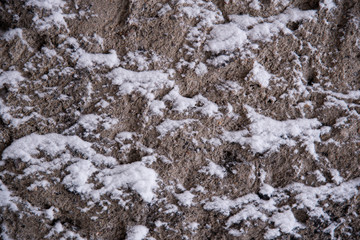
{"type": "Point", "coordinates": [46, 4]}
{"type": "Point", "coordinates": [266, 134]}
{"type": "Point", "coordinates": [54, 17]}
{"type": "Point", "coordinates": [255, 4]}
{"type": "Point", "coordinates": [166, 8]}
{"type": "Point", "coordinates": [145, 82]}
{"type": "Point", "coordinates": [6, 200]}
{"type": "Point", "coordinates": [233, 35]}
{"type": "Point", "coordinates": [171, 125]}
{"type": "Point", "coordinates": [137, 232]}
{"type": "Point", "coordinates": [336, 176]}
{"type": "Point", "coordinates": [11, 78]}
{"type": "Point", "coordinates": [185, 198]}
{"type": "Point", "coordinates": [43, 183]}
{"type": "Point", "coordinates": [134, 175]}
{"type": "Point", "coordinates": [90, 60]}
{"type": "Point", "coordinates": [156, 107]}
{"type": "Point", "coordinates": [197, 103]}
{"type": "Point", "coordinates": [225, 37]}
{"type": "Point", "coordinates": [102, 170]}
{"type": "Point", "coordinates": [213, 169]}
{"type": "Point", "coordinates": [259, 75]}
{"type": "Point", "coordinates": [286, 222]}
{"type": "Point", "coordinates": [328, 4]}
{"type": "Point", "coordinates": [201, 69]}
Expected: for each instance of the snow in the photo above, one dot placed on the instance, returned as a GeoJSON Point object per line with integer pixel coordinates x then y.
{"type": "Point", "coordinates": [156, 107]}
{"type": "Point", "coordinates": [266, 134]}
{"type": "Point", "coordinates": [87, 169]}
{"type": "Point", "coordinates": [267, 190]}
{"type": "Point", "coordinates": [259, 75]}
{"type": "Point", "coordinates": [145, 82]}
{"type": "Point", "coordinates": [197, 103]}
{"type": "Point", "coordinates": [166, 8]}
{"type": "Point", "coordinates": [201, 69]}
{"type": "Point", "coordinates": [46, 4]}
{"type": "Point", "coordinates": [77, 180]}
{"type": "Point", "coordinates": [90, 60]}
{"type": "Point", "coordinates": [185, 198]}
{"type": "Point", "coordinates": [255, 4]}
{"type": "Point", "coordinates": [6, 200]}
{"type": "Point", "coordinates": [55, 16]}
{"type": "Point", "coordinates": [336, 176]}
{"type": "Point", "coordinates": [169, 126]}
{"type": "Point", "coordinates": [225, 37]}
{"type": "Point", "coordinates": [11, 34]}
{"type": "Point", "coordinates": [213, 169]}
{"type": "Point", "coordinates": [272, 233]}
{"type": "Point", "coordinates": [242, 28]}
{"type": "Point", "coordinates": [286, 221]}
{"type": "Point", "coordinates": [43, 183]}
{"type": "Point", "coordinates": [137, 232]}
{"type": "Point", "coordinates": [58, 228]}
{"type": "Point", "coordinates": [248, 212]}
{"type": "Point", "coordinates": [11, 78]}
{"type": "Point", "coordinates": [328, 4]}
{"type": "Point", "coordinates": [311, 198]}
{"type": "Point", "coordinates": [135, 175]}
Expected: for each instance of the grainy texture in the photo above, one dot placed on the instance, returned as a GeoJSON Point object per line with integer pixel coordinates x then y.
{"type": "Point", "coordinates": [193, 119]}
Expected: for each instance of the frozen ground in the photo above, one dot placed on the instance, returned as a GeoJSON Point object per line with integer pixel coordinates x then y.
{"type": "Point", "coordinates": [184, 119]}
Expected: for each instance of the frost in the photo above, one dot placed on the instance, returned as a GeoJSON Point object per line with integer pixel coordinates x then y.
{"type": "Point", "coordinates": [137, 232]}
